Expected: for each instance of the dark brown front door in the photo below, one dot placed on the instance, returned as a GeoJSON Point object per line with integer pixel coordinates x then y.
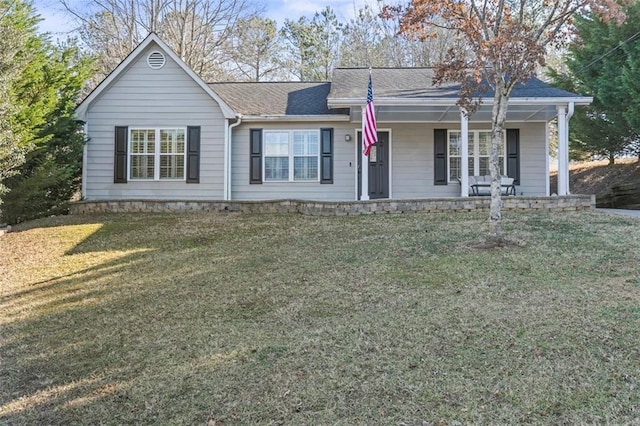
{"type": "Point", "coordinates": [378, 167]}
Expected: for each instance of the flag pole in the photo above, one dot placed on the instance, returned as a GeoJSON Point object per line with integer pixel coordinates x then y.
{"type": "Point", "coordinates": [364, 161]}
{"type": "Point", "coordinates": [364, 152]}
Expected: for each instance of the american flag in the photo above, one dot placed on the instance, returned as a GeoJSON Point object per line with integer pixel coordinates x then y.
{"type": "Point", "coordinates": [369, 127]}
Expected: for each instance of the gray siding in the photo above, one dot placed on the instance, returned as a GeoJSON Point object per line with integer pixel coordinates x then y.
{"type": "Point", "coordinates": [412, 160]}
{"type": "Point", "coordinates": [156, 98]}
{"type": "Point", "coordinates": [533, 160]}
{"type": "Point", "coordinates": [412, 173]}
{"type": "Point", "coordinates": [344, 166]}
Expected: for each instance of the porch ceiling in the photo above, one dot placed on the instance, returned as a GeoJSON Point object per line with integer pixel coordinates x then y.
{"type": "Point", "coordinates": [451, 113]}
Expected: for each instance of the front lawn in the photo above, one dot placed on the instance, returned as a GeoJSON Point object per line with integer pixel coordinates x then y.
{"type": "Point", "coordinates": [271, 319]}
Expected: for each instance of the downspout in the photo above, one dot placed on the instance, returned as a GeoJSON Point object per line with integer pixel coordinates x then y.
{"type": "Point", "coordinates": [228, 158]}
{"type": "Point", "coordinates": [83, 183]}
{"type": "Point", "coordinates": [570, 111]}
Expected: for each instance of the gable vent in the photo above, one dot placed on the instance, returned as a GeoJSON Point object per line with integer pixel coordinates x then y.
{"type": "Point", "coordinates": [156, 60]}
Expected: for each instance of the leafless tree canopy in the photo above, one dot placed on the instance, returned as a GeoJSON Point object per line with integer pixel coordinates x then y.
{"type": "Point", "coordinates": [195, 29]}
{"type": "Point", "coordinates": [253, 50]}
{"type": "Point", "coordinates": [232, 40]}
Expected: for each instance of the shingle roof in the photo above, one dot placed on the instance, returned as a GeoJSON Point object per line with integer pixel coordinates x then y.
{"type": "Point", "coordinates": [351, 83]}
{"type": "Point", "coordinates": [276, 98]}
{"type": "Point", "coordinates": [300, 98]}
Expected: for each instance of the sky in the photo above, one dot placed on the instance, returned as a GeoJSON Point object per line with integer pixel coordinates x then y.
{"type": "Point", "coordinates": [59, 25]}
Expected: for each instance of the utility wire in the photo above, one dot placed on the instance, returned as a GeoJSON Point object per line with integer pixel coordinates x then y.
{"type": "Point", "coordinates": [609, 52]}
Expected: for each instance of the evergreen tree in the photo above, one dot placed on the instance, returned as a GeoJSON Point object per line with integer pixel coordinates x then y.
{"type": "Point", "coordinates": [598, 62]}
{"type": "Point", "coordinates": [42, 95]}
{"type": "Point", "coordinates": [631, 80]}
{"type": "Point", "coordinates": [17, 39]}
{"type": "Point", "coordinates": [313, 45]}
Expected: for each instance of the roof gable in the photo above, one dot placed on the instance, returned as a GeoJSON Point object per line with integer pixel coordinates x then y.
{"type": "Point", "coordinates": [82, 108]}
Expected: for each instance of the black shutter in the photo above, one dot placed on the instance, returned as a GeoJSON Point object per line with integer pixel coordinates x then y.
{"type": "Point", "coordinates": [440, 156]}
{"type": "Point", "coordinates": [120, 160]}
{"type": "Point", "coordinates": [326, 155]}
{"type": "Point", "coordinates": [513, 155]}
{"type": "Point", "coordinates": [255, 157]}
{"type": "Point", "coordinates": [193, 154]}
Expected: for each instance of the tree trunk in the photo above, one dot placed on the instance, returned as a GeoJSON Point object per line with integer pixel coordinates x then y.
{"type": "Point", "coordinates": [499, 116]}
{"type": "Point", "coordinates": [612, 159]}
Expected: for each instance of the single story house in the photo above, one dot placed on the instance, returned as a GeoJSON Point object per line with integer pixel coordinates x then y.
{"type": "Point", "coordinates": [157, 131]}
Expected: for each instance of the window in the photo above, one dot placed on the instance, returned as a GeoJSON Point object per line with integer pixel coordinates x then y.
{"type": "Point", "coordinates": [157, 154]}
{"type": "Point", "coordinates": [479, 148]}
{"type": "Point", "coordinates": [291, 155]}
{"type": "Point", "coordinates": [171, 153]}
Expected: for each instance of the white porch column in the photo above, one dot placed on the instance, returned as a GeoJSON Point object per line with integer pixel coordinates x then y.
{"type": "Point", "coordinates": [563, 152]}
{"type": "Point", "coordinates": [464, 153]}
{"type": "Point", "coordinates": [364, 163]}
{"type": "Point", "coordinates": [568, 116]}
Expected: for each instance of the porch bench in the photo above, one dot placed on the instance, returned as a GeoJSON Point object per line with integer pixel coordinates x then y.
{"type": "Point", "coordinates": [481, 185]}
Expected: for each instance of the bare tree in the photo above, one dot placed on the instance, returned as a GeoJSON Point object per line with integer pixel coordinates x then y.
{"type": "Point", "coordinates": [254, 49]}
{"type": "Point", "coordinates": [361, 41]}
{"type": "Point", "coordinates": [195, 29]}
{"type": "Point", "coordinates": [433, 50]}
{"type": "Point", "coordinates": [369, 40]}
{"type": "Point", "coordinates": [507, 40]}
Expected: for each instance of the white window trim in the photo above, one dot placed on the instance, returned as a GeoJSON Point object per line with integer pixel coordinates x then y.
{"type": "Point", "coordinates": [290, 155]}
{"type": "Point", "coordinates": [156, 155]}
{"type": "Point", "coordinates": [476, 151]}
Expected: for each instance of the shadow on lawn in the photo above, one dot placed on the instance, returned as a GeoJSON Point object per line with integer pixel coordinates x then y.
{"type": "Point", "coordinates": [75, 346]}
{"type": "Point", "coordinates": [191, 325]}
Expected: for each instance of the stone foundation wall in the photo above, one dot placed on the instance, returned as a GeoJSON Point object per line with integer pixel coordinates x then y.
{"type": "Point", "coordinates": [332, 208]}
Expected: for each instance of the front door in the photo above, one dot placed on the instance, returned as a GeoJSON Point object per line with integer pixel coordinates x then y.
{"type": "Point", "coordinates": [378, 167]}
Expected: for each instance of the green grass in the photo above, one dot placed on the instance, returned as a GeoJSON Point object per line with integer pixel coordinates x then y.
{"type": "Point", "coordinates": [395, 319]}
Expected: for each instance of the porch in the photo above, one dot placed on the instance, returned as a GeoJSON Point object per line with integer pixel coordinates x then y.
{"type": "Point", "coordinates": [405, 97]}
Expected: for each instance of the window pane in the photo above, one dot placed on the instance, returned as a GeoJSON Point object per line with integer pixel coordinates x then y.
{"type": "Point", "coordinates": [305, 168]}
{"type": "Point", "coordinates": [142, 166]}
{"type": "Point", "coordinates": [484, 142]}
{"type": "Point", "coordinates": [454, 168]}
{"type": "Point", "coordinates": [305, 143]}
{"type": "Point", "coordinates": [484, 166]}
{"type": "Point", "coordinates": [151, 141]}
{"type": "Point", "coordinates": [180, 137]}
{"type": "Point", "coordinates": [454, 143]}
{"type": "Point", "coordinates": [171, 167]}
{"type": "Point", "coordinates": [373, 154]}
{"type": "Point", "coordinates": [471, 168]}
{"type": "Point", "coordinates": [172, 141]}
{"type": "Point", "coordinates": [142, 141]}
{"type": "Point", "coordinates": [165, 142]}
{"type": "Point", "coordinates": [135, 144]}
{"type": "Point", "coordinates": [299, 143]}
{"type": "Point", "coordinates": [276, 168]}
{"type": "Point", "coordinates": [276, 143]}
